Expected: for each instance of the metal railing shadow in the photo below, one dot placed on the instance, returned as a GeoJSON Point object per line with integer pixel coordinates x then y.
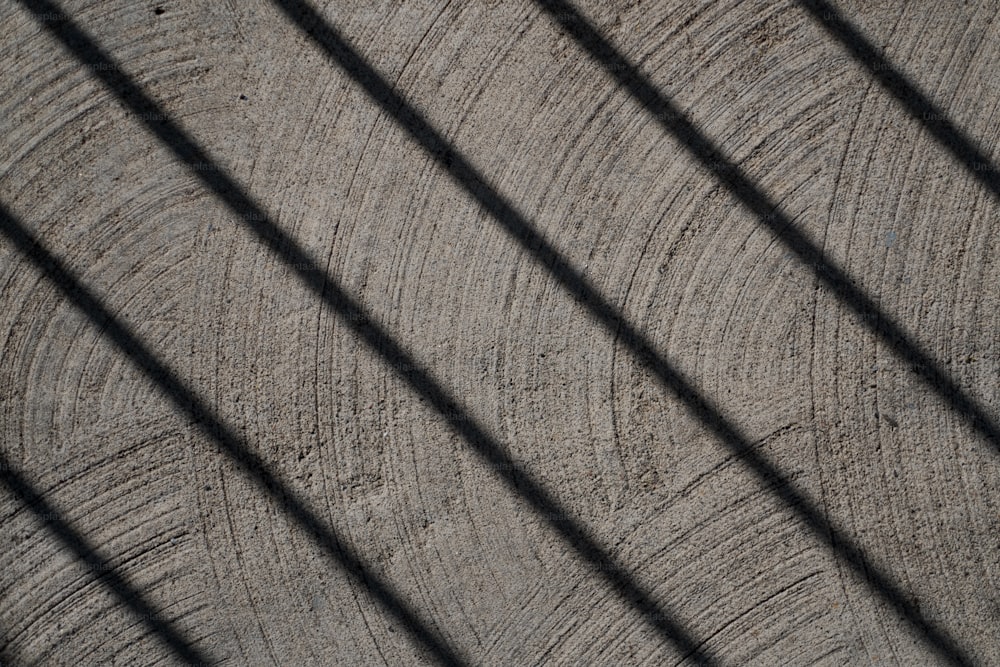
{"type": "Point", "coordinates": [251, 213]}
{"type": "Point", "coordinates": [517, 225]}
{"type": "Point", "coordinates": [710, 155]}
{"type": "Point", "coordinates": [97, 565]}
{"type": "Point", "coordinates": [962, 147]}
{"type": "Point", "coordinates": [229, 442]}
{"type": "Point", "coordinates": [379, 340]}
{"type": "Point", "coordinates": [9, 656]}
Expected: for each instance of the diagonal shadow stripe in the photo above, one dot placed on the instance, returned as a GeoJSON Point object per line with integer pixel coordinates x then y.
{"type": "Point", "coordinates": [512, 473]}
{"type": "Point", "coordinates": [771, 216]}
{"type": "Point", "coordinates": [962, 147]}
{"type": "Point", "coordinates": [517, 225]}
{"type": "Point", "coordinates": [8, 657]}
{"type": "Point", "coordinates": [189, 403]}
{"type": "Point", "coordinates": [102, 570]}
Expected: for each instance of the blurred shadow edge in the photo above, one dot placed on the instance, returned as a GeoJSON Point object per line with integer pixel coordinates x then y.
{"type": "Point", "coordinates": [463, 173]}
{"type": "Point", "coordinates": [98, 566]}
{"type": "Point", "coordinates": [231, 444]}
{"type": "Point", "coordinates": [9, 656]}
{"type": "Point", "coordinates": [378, 340]}
{"type": "Point", "coordinates": [918, 105]}
{"type": "Point", "coordinates": [764, 207]}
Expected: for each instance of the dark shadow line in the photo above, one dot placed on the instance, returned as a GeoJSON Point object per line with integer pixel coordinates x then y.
{"type": "Point", "coordinates": [515, 223]}
{"type": "Point", "coordinates": [189, 403]}
{"type": "Point", "coordinates": [777, 221]}
{"type": "Point", "coordinates": [372, 334]}
{"type": "Point", "coordinates": [74, 541]}
{"type": "Point", "coordinates": [462, 171]}
{"type": "Point", "coordinates": [919, 106]}
{"type": "Point", "coordinates": [10, 656]}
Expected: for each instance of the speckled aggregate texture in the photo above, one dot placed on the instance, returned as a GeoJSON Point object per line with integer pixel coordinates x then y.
{"type": "Point", "coordinates": [728, 558]}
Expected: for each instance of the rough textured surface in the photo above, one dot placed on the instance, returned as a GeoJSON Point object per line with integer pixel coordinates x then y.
{"type": "Point", "coordinates": [817, 392]}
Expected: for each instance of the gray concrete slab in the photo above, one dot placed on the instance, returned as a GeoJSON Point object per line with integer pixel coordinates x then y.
{"type": "Point", "coordinates": [460, 455]}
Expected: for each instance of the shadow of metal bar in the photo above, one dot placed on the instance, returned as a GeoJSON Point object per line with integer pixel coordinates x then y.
{"type": "Point", "coordinates": [515, 223]}
{"type": "Point", "coordinates": [753, 197]}
{"type": "Point", "coordinates": [97, 565]}
{"type": "Point", "coordinates": [625, 584]}
{"type": "Point", "coordinates": [771, 216]}
{"type": "Point", "coordinates": [919, 106]}
{"type": "Point", "coordinates": [9, 656]}
{"type": "Point", "coordinates": [190, 404]}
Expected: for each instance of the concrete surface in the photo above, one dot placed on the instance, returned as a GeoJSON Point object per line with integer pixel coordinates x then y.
{"type": "Point", "coordinates": [886, 459]}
